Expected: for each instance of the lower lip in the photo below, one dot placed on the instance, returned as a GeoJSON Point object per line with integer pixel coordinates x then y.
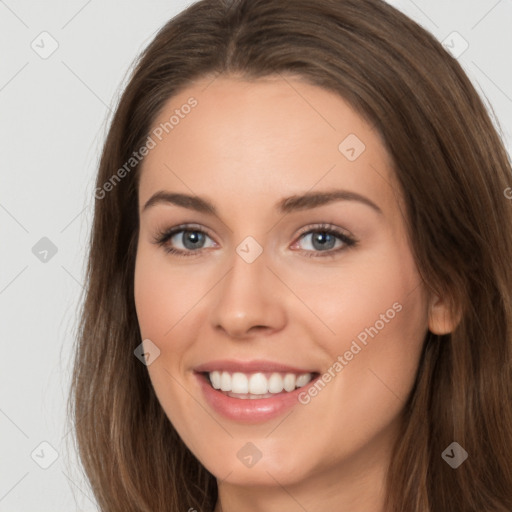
{"type": "Point", "coordinates": [249, 410]}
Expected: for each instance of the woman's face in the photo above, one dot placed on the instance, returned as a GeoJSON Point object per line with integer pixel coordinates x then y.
{"type": "Point", "coordinates": [276, 282]}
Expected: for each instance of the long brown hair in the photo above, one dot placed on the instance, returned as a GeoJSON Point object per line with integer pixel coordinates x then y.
{"type": "Point", "coordinates": [453, 170]}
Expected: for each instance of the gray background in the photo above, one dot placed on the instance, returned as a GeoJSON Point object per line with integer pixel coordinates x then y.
{"type": "Point", "coordinates": [54, 114]}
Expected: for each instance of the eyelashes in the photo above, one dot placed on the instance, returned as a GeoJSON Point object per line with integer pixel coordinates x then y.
{"type": "Point", "coordinates": [323, 234]}
{"type": "Point", "coordinates": [164, 237]}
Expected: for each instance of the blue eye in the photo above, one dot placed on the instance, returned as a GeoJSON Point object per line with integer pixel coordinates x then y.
{"type": "Point", "coordinates": [321, 240]}
{"type": "Point", "coordinates": [192, 240]}
{"type": "Point", "coordinates": [324, 238]}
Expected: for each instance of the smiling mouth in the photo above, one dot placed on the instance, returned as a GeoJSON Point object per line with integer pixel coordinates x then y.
{"type": "Point", "coordinates": [257, 385]}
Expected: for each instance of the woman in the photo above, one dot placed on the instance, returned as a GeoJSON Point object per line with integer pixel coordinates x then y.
{"type": "Point", "coordinates": [299, 283]}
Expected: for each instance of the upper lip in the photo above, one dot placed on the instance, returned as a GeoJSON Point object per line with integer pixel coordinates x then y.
{"type": "Point", "coordinates": [255, 365]}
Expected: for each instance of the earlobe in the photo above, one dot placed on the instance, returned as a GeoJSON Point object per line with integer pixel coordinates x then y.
{"type": "Point", "coordinates": [441, 317]}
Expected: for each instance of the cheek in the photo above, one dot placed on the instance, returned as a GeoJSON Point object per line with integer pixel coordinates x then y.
{"type": "Point", "coordinates": [377, 314]}
{"type": "Point", "coordinates": [161, 301]}
{"type": "Point", "coordinates": [363, 293]}
{"type": "Point", "coordinates": [169, 309]}
{"type": "Point", "coordinates": [387, 319]}
{"type": "Point", "coordinates": [164, 294]}
{"type": "Point", "coordinates": [379, 317]}
{"type": "Point", "coordinates": [154, 300]}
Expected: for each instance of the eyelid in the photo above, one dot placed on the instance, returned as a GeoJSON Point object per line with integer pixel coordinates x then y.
{"type": "Point", "coordinates": [348, 240]}
{"type": "Point", "coordinates": [325, 227]}
{"type": "Point", "coordinates": [169, 232]}
{"type": "Point", "coordinates": [162, 237]}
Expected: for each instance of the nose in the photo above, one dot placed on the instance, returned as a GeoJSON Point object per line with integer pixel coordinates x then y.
{"type": "Point", "coordinates": [249, 300]}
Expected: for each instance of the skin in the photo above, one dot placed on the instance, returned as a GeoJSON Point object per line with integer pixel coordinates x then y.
{"type": "Point", "coordinates": [244, 147]}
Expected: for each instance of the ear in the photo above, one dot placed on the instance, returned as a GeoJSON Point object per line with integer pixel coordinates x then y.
{"type": "Point", "coordinates": [441, 317]}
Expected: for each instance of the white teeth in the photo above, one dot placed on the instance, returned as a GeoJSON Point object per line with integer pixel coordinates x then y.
{"type": "Point", "coordinates": [215, 379]}
{"type": "Point", "coordinates": [275, 383]}
{"type": "Point", "coordinates": [225, 381]}
{"type": "Point", "coordinates": [302, 380]}
{"type": "Point", "coordinates": [239, 383]}
{"type": "Point", "coordinates": [289, 382]}
{"type": "Point", "coordinates": [257, 383]}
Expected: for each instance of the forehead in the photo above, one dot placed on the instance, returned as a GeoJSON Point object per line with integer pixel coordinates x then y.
{"type": "Point", "coordinates": [273, 137]}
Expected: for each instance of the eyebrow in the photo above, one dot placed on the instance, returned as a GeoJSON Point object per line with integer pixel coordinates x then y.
{"type": "Point", "coordinates": [287, 205]}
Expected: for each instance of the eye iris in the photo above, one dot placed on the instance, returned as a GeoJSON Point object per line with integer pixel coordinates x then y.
{"type": "Point", "coordinates": [326, 240]}
{"type": "Point", "coordinates": [194, 237]}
